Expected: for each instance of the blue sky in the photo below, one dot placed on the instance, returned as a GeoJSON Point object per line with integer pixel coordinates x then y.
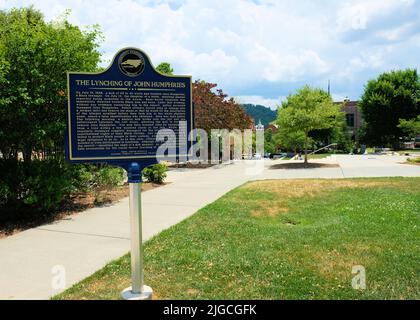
{"type": "Point", "coordinates": [258, 51]}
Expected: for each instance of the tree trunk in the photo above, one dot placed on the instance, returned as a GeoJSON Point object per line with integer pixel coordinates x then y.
{"type": "Point", "coordinates": [306, 148]}
{"type": "Point", "coordinates": [27, 154]}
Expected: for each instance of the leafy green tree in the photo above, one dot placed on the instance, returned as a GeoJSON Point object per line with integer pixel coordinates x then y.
{"type": "Point", "coordinates": [341, 135]}
{"type": "Point", "coordinates": [35, 56]}
{"type": "Point", "coordinates": [307, 110]}
{"type": "Point", "coordinates": [392, 96]}
{"type": "Point", "coordinates": [269, 142]}
{"type": "Point", "coordinates": [338, 134]}
{"type": "Point", "coordinates": [292, 140]}
{"type": "Point", "coordinates": [410, 127]}
{"type": "Point", "coordinates": [165, 68]}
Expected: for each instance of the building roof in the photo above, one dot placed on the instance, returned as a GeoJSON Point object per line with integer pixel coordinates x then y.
{"type": "Point", "coordinates": [347, 102]}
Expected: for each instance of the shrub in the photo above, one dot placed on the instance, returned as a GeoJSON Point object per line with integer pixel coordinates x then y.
{"type": "Point", "coordinates": [46, 183]}
{"type": "Point", "coordinates": [91, 177]}
{"type": "Point", "coordinates": [83, 177]}
{"type": "Point", "coordinates": [39, 187]}
{"type": "Point", "coordinates": [32, 187]}
{"type": "Point", "coordinates": [155, 173]}
{"type": "Point", "coordinates": [4, 193]}
{"type": "Point", "coordinates": [105, 178]}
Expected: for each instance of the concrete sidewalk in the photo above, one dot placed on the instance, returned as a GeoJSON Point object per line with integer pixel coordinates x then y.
{"type": "Point", "coordinates": [86, 242]}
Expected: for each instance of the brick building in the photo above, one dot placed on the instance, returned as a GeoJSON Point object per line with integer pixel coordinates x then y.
{"type": "Point", "coordinates": [353, 115]}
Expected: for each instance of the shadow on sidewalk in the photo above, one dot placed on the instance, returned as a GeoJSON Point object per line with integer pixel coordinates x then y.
{"type": "Point", "coordinates": [301, 165]}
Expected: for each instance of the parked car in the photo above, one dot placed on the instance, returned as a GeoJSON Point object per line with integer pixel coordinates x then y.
{"type": "Point", "coordinates": [417, 142]}
{"type": "Point", "coordinates": [278, 155]}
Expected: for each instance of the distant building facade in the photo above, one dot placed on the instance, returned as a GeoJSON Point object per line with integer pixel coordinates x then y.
{"type": "Point", "coordinates": [273, 127]}
{"type": "Point", "coordinates": [353, 115]}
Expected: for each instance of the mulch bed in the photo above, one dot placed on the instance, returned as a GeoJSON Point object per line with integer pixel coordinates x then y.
{"type": "Point", "coordinates": [301, 165]}
{"type": "Point", "coordinates": [189, 165]}
{"type": "Point", "coordinates": [77, 203]}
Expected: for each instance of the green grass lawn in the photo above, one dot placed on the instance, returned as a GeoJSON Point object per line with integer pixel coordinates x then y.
{"type": "Point", "coordinates": [414, 160]}
{"type": "Point", "coordinates": [318, 155]}
{"type": "Point", "coordinates": [283, 239]}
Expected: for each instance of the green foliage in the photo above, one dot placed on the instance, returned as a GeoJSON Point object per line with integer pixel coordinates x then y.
{"type": "Point", "coordinates": [308, 110]}
{"type": "Point", "coordinates": [155, 173]}
{"type": "Point", "coordinates": [39, 187]}
{"type": "Point", "coordinates": [294, 141]}
{"type": "Point", "coordinates": [337, 134]}
{"type": "Point", "coordinates": [108, 177]}
{"type": "Point", "coordinates": [270, 144]}
{"type": "Point", "coordinates": [410, 127]}
{"type": "Point", "coordinates": [392, 96]}
{"type": "Point", "coordinates": [105, 178]}
{"type": "Point", "coordinates": [33, 187]}
{"type": "Point", "coordinates": [95, 178]}
{"type": "Point", "coordinates": [165, 68]}
{"type": "Point", "coordinates": [34, 58]}
{"type": "Point", "coordinates": [83, 177]}
{"type": "Point", "coordinates": [259, 112]}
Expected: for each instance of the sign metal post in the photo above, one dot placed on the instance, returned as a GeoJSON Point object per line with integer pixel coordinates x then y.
{"type": "Point", "coordinates": [138, 290]}
{"type": "Point", "coordinates": [114, 117]}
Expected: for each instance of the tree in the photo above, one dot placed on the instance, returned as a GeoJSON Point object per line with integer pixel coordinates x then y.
{"type": "Point", "coordinates": [214, 111]}
{"type": "Point", "coordinates": [410, 127]}
{"type": "Point", "coordinates": [260, 113]}
{"type": "Point", "coordinates": [291, 140]}
{"type": "Point", "coordinates": [307, 110]}
{"type": "Point", "coordinates": [269, 141]}
{"type": "Point", "coordinates": [35, 56]}
{"type": "Point", "coordinates": [392, 96]}
{"type": "Point", "coordinates": [165, 68]}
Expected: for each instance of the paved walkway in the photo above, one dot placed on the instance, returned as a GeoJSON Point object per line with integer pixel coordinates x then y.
{"type": "Point", "coordinates": [87, 241]}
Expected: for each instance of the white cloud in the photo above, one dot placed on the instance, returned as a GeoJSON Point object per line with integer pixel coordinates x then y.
{"type": "Point", "coordinates": [339, 97]}
{"type": "Point", "coordinates": [277, 66]}
{"type": "Point", "coordinates": [357, 15]}
{"type": "Point", "coordinates": [271, 46]}
{"type": "Point", "coordinates": [271, 103]}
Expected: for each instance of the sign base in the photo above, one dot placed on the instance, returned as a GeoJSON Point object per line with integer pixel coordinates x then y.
{"type": "Point", "coordinates": [147, 293]}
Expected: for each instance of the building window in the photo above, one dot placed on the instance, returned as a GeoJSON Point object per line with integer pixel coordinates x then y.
{"type": "Point", "coordinates": [350, 119]}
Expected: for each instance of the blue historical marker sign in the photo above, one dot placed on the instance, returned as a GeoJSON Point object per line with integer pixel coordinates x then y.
{"type": "Point", "coordinates": [114, 116]}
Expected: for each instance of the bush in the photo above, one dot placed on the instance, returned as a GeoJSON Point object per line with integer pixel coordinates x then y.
{"type": "Point", "coordinates": [91, 177]}
{"type": "Point", "coordinates": [83, 177]}
{"type": "Point", "coordinates": [105, 178]}
{"type": "Point", "coordinates": [155, 173]}
{"type": "Point", "coordinates": [33, 187]}
{"type": "Point", "coordinates": [39, 187]}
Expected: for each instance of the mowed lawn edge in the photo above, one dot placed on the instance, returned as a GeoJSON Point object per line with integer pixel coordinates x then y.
{"type": "Point", "coordinates": [283, 239]}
